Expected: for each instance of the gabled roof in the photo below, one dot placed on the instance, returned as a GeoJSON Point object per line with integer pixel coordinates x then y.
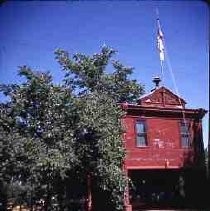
{"type": "Point", "coordinates": [162, 97]}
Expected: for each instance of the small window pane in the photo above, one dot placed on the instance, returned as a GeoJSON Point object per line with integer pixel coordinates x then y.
{"type": "Point", "coordinates": [141, 141]}
{"type": "Point", "coordinates": [185, 141]}
{"type": "Point", "coordinates": [140, 127]}
{"type": "Point", "coordinates": [184, 128]}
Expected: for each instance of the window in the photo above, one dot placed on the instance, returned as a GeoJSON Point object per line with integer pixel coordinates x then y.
{"type": "Point", "coordinates": [185, 135]}
{"type": "Point", "coordinates": [141, 136]}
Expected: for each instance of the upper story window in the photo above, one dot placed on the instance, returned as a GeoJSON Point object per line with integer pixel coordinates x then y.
{"type": "Point", "coordinates": [141, 133]}
{"type": "Point", "coordinates": [185, 134]}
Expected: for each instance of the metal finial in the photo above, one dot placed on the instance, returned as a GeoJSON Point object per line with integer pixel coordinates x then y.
{"type": "Point", "coordinates": [157, 81]}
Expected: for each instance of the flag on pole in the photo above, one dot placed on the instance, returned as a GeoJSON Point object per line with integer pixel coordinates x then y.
{"type": "Point", "coordinates": [160, 43]}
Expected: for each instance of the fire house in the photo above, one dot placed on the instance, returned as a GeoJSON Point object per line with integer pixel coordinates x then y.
{"type": "Point", "coordinates": [164, 150]}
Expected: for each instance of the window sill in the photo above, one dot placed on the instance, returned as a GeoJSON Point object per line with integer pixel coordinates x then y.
{"type": "Point", "coordinates": [187, 148]}
{"type": "Point", "coordinates": [142, 147]}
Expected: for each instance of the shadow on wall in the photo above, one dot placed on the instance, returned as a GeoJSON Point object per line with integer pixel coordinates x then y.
{"type": "Point", "coordinates": [194, 175]}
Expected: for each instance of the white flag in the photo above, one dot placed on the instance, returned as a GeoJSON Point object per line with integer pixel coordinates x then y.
{"type": "Point", "coordinates": [160, 44]}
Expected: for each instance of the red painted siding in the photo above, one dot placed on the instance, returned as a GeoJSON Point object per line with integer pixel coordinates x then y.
{"type": "Point", "coordinates": [164, 148]}
{"type": "Point", "coordinates": [162, 114]}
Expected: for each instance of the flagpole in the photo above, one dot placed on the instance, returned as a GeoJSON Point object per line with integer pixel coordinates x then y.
{"type": "Point", "coordinates": [162, 52]}
{"type": "Point", "coordinates": [161, 70]}
{"type": "Point", "coordinates": [160, 43]}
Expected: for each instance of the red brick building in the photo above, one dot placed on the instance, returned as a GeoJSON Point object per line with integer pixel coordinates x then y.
{"type": "Point", "coordinates": [164, 150]}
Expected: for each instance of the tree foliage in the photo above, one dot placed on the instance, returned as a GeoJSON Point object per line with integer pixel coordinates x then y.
{"type": "Point", "coordinates": [51, 133]}
{"type": "Point", "coordinates": [39, 119]}
{"type": "Point", "coordinates": [86, 74]}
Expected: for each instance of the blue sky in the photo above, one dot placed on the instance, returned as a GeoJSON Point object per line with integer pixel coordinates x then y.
{"type": "Point", "coordinates": [32, 30]}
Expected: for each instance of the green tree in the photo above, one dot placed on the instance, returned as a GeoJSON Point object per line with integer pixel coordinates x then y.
{"type": "Point", "coordinates": [99, 92]}
{"type": "Point", "coordinates": [86, 74]}
{"type": "Point", "coordinates": [40, 122]}
{"type": "Point", "coordinates": [52, 134]}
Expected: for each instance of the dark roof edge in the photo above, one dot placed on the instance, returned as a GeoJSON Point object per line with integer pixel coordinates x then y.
{"type": "Point", "coordinates": [127, 106]}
